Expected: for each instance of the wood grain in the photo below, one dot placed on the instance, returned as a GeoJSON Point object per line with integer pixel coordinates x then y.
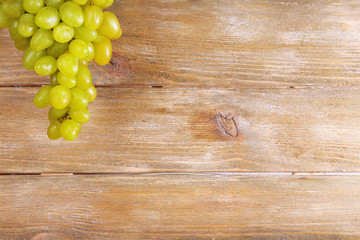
{"type": "Point", "coordinates": [189, 130]}
{"type": "Point", "coordinates": [223, 42]}
{"type": "Point", "coordinates": [180, 207]}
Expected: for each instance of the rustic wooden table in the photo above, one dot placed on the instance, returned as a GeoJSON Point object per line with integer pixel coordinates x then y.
{"type": "Point", "coordinates": [219, 119]}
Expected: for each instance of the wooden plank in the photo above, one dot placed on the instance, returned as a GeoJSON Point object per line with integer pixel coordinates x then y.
{"type": "Point", "coordinates": [224, 42]}
{"type": "Point", "coordinates": [189, 130]}
{"type": "Point", "coordinates": [180, 207]}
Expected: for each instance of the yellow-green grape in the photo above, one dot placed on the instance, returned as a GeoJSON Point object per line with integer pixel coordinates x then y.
{"type": "Point", "coordinates": [83, 78]}
{"type": "Point", "coordinates": [21, 42]}
{"type": "Point", "coordinates": [12, 8]}
{"type": "Point", "coordinates": [68, 64]}
{"type": "Point", "coordinates": [33, 6]}
{"type": "Point", "coordinates": [54, 3]}
{"type": "Point", "coordinates": [78, 48]}
{"type": "Point", "coordinates": [63, 33]}
{"type": "Point", "coordinates": [80, 2]}
{"type": "Point", "coordinates": [83, 62]}
{"type": "Point", "coordinates": [91, 52]}
{"type": "Point", "coordinates": [107, 3]}
{"type": "Point", "coordinates": [91, 93]}
{"type": "Point", "coordinates": [103, 51]}
{"type": "Point", "coordinates": [53, 131]}
{"type": "Point", "coordinates": [79, 98]}
{"type": "Point", "coordinates": [98, 2]}
{"type": "Point", "coordinates": [93, 17]}
{"type": "Point", "coordinates": [67, 81]}
{"type": "Point", "coordinates": [79, 115]}
{"type": "Point", "coordinates": [42, 39]}
{"type": "Point", "coordinates": [71, 14]}
{"type": "Point", "coordinates": [4, 20]}
{"type": "Point", "coordinates": [60, 97]}
{"type": "Point", "coordinates": [47, 18]}
{"type": "Point", "coordinates": [41, 99]}
{"type": "Point", "coordinates": [53, 79]}
{"type": "Point", "coordinates": [31, 56]}
{"type": "Point", "coordinates": [110, 26]}
{"type": "Point", "coordinates": [70, 129]}
{"type": "Point", "coordinates": [27, 26]}
{"type": "Point", "coordinates": [85, 33]}
{"type": "Point", "coordinates": [57, 49]}
{"type": "Point", "coordinates": [46, 65]}
{"type": "Point", "coordinates": [56, 114]}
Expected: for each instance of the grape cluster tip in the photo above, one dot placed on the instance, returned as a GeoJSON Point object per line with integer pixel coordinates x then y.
{"type": "Point", "coordinates": [59, 39]}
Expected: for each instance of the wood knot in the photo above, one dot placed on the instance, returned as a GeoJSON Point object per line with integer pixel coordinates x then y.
{"type": "Point", "coordinates": [118, 66]}
{"type": "Point", "coordinates": [227, 124]}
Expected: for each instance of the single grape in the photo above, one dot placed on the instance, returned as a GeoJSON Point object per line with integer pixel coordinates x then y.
{"type": "Point", "coordinates": [79, 115]}
{"type": "Point", "coordinates": [91, 93]}
{"type": "Point", "coordinates": [12, 8]}
{"type": "Point", "coordinates": [67, 81]}
{"type": "Point", "coordinates": [60, 97]}
{"type": "Point", "coordinates": [27, 26]}
{"type": "Point", "coordinates": [31, 56]}
{"type": "Point", "coordinates": [79, 98]}
{"type": "Point", "coordinates": [57, 49]}
{"type": "Point", "coordinates": [93, 17]}
{"type": "Point", "coordinates": [42, 39]}
{"type": "Point", "coordinates": [85, 33]}
{"type": "Point", "coordinates": [107, 3]}
{"type": "Point", "coordinates": [78, 48]}
{"type": "Point", "coordinates": [110, 26]}
{"type": "Point", "coordinates": [83, 78]}
{"type": "Point", "coordinates": [56, 114]}
{"type": "Point", "coordinates": [4, 20]}
{"type": "Point", "coordinates": [21, 42]}
{"type": "Point", "coordinates": [54, 3]}
{"type": "Point", "coordinates": [41, 99]}
{"type": "Point", "coordinates": [103, 51]}
{"type": "Point", "coordinates": [91, 52]}
{"type": "Point", "coordinates": [46, 65]}
{"type": "Point", "coordinates": [63, 33]}
{"type": "Point", "coordinates": [53, 79]}
{"type": "Point", "coordinates": [70, 129]}
{"type": "Point", "coordinates": [47, 18]}
{"type": "Point", "coordinates": [68, 64]}
{"type": "Point", "coordinates": [71, 14]}
{"type": "Point", "coordinates": [33, 6]}
{"type": "Point", "coordinates": [53, 131]}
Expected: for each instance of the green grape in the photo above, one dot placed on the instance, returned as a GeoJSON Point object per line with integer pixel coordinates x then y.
{"type": "Point", "coordinates": [57, 114]}
{"type": "Point", "coordinates": [68, 64]}
{"type": "Point", "coordinates": [107, 3]}
{"type": "Point", "coordinates": [31, 56]}
{"type": "Point", "coordinates": [21, 43]}
{"type": "Point", "coordinates": [83, 78]}
{"type": "Point", "coordinates": [42, 39]}
{"type": "Point", "coordinates": [70, 129]}
{"type": "Point", "coordinates": [33, 6]}
{"type": "Point", "coordinates": [79, 115]}
{"type": "Point", "coordinates": [57, 49]}
{"type": "Point", "coordinates": [67, 81]}
{"type": "Point", "coordinates": [83, 62]}
{"type": "Point", "coordinates": [85, 34]}
{"type": "Point", "coordinates": [60, 97]}
{"type": "Point", "coordinates": [12, 8]}
{"type": "Point", "coordinates": [79, 98]}
{"type": "Point", "coordinates": [63, 33]}
{"type": "Point", "coordinates": [78, 48]}
{"type": "Point", "coordinates": [91, 52]}
{"type": "Point", "coordinates": [53, 131]}
{"type": "Point", "coordinates": [93, 17]}
{"type": "Point", "coordinates": [41, 99]}
{"type": "Point", "coordinates": [46, 65]}
{"type": "Point", "coordinates": [91, 93]}
{"type": "Point", "coordinates": [4, 20]}
{"type": "Point", "coordinates": [47, 18]}
{"type": "Point", "coordinates": [110, 26]}
{"type": "Point", "coordinates": [71, 14]}
{"type": "Point", "coordinates": [103, 51]}
{"type": "Point", "coordinates": [80, 2]}
{"type": "Point", "coordinates": [54, 3]}
{"type": "Point", "coordinates": [53, 79]}
{"type": "Point", "coordinates": [27, 26]}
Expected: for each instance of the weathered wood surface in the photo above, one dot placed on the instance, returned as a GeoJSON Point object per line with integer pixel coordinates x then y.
{"type": "Point", "coordinates": [224, 42]}
{"type": "Point", "coordinates": [189, 130]}
{"type": "Point", "coordinates": [180, 207]}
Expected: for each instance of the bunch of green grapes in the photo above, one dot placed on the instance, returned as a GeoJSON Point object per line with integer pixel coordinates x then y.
{"type": "Point", "coordinates": [60, 38]}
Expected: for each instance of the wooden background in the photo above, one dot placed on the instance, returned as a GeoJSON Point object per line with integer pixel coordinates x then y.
{"type": "Point", "coordinates": [217, 119]}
